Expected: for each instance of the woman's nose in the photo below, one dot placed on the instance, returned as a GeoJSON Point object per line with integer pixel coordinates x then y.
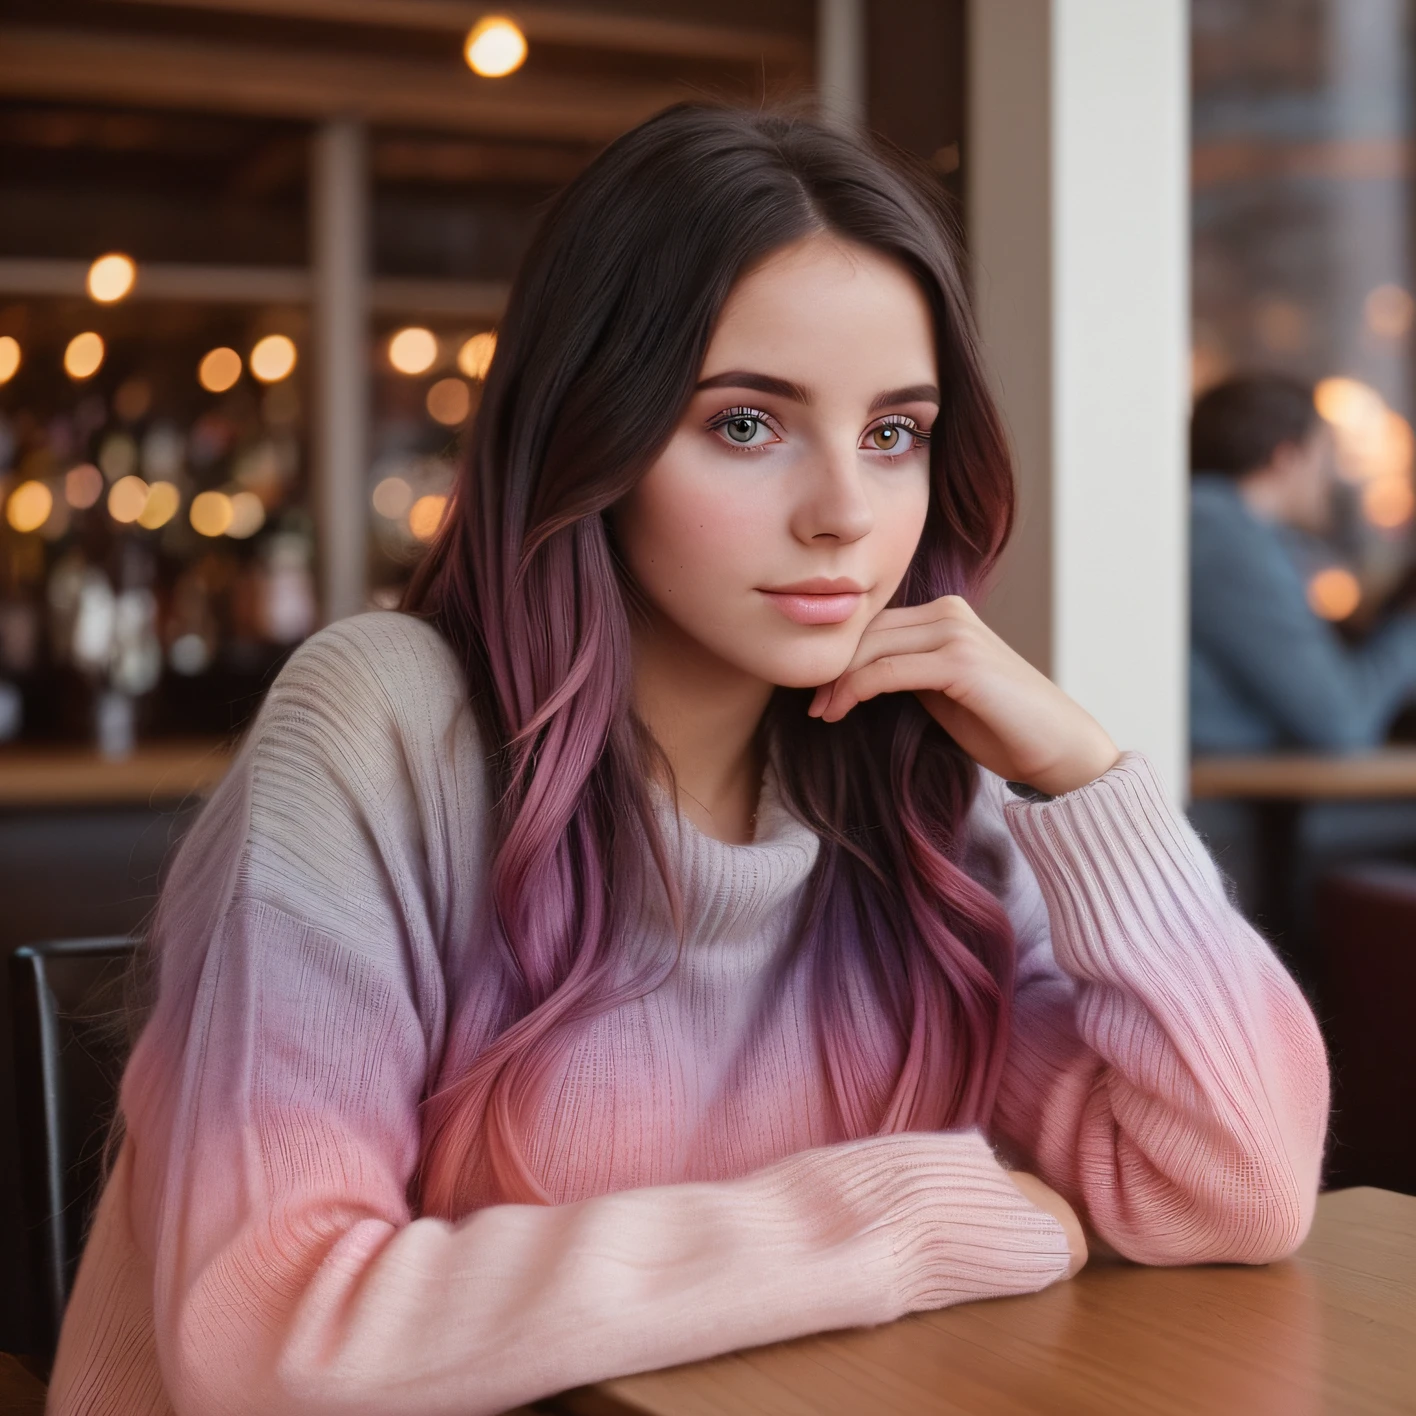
{"type": "Point", "coordinates": [833, 501]}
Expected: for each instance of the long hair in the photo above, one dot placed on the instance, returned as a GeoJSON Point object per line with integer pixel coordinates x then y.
{"type": "Point", "coordinates": [603, 339]}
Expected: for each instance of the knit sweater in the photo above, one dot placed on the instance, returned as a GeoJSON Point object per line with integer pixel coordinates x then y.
{"type": "Point", "coordinates": [258, 1248]}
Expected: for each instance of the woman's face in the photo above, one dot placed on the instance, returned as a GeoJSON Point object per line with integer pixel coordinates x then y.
{"type": "Point", "coordinates": [785, 509]}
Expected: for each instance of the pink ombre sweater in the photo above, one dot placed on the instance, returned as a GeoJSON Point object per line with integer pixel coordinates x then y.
{"type": "Point", "coordinates": [256, 1251]}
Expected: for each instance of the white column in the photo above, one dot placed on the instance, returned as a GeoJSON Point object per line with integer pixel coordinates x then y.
{"type": "Point", "coordinates": [1078, 208]}
{"type": "Point", "coordinates": [840, 60]}
{"type": "Point", "coordinates": [339, 317]}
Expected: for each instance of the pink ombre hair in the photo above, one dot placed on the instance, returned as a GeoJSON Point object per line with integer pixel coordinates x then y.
{"type": "Point", "coordinates": [602, 341]}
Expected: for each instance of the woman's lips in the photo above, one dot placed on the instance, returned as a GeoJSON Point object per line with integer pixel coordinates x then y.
{"type": "Point", "coordinates": [803, 608]}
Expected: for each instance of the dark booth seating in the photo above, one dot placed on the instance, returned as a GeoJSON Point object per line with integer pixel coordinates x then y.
{"type": "Point", "coordinates": [1366, 920]}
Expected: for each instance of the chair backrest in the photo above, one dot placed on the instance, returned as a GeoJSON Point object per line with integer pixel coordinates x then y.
{"type": "Point", "coordinates": [70, 1047]}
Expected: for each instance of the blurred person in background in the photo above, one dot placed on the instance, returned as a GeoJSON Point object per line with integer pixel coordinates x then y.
{"type": "Point", "coordinates": [1266, 672]}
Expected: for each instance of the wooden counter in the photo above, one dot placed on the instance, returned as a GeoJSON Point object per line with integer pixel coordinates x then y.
{"type": "Point", "coordinates": [1307, 776]}
{"type": "Point", "coordinates": [1332, 1330]}
{"type": "Point", "coordinates": [157, 773]}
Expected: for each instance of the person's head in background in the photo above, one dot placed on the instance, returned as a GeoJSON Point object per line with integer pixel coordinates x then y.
{"type": "Point", "coordinates": [1263, 431]}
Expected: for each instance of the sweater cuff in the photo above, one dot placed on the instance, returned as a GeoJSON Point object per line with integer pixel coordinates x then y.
{"type": "Point", "coordinates": [956, 1225]}
{"type": "Point", "coordinates": [1115, 860]}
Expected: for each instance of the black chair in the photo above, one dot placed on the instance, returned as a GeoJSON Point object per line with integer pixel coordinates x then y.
{"type": "Point", "coordinates": [71, 1042]}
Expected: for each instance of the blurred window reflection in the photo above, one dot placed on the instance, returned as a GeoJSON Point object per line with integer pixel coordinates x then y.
{"type": "Point", "coordinates": [1303, 244]}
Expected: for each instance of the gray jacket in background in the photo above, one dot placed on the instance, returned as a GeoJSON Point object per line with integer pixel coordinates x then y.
{"type": "Point", "coordinates": [1265, 671]}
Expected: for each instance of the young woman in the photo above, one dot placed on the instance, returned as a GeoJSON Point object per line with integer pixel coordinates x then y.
{"type": "Point", "coordinates": [689, 926]}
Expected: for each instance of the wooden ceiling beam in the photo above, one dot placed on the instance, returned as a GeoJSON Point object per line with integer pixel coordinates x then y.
{"type": "Point", "coordinates": [638, 34]}
{"type": "Point", "coordinates": [151, 72]}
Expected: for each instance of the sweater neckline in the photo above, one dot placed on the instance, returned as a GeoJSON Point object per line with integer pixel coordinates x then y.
{"type": "Point", "coordinates": [736, 890]}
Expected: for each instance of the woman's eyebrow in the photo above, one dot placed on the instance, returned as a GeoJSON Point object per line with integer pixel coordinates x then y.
{"type": "Point", "coordinates": [784, 388]}
{"type": "Point", "coordinates": [762, 383]}
{"type": "Point", "coordinates": [915, 393]}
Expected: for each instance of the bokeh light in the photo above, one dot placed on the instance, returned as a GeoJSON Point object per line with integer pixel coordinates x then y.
{"type": "Point", "coordinates": [247, 515]}
{"type": "Point", "coordinates": [127, 499]}
{"type": "Point", "coordinates": [413, 350]}
{"type": "Point", "coordinates": [83, 485]}
{"type": "Point", "coordinates": [111, 277]}
{"type": "Point", "coordinates": [1334, 593]}
{"type": "Point", "coordinates": [1371, 439]}
{"type": "Point", "coordinates": [392, 497]}
{"type": "Point", "coordinates": [163, 499]}
{"type": "Point", "coordinates": [449, 401]}
{"type": "Point", "coordinates": [29, 506]}
{"type": "Point", "coordinates": [1347, 403]}
{"type": "Point", "coordinates": [273, 359]}
{"type": "Point", "coordinates": [425, 516]}
{"type": "Point", "coordinates": [475, 356]}
{"type": "Point", "coordinates": [495, 47]}
{"type": "Point", "coordinates": [1388, 311]}
{"type": "Point", "coordinates": [210, 514]}
{"type": "Point", "coordinates": [84, 355]}
{"type": "Point", "coordinates": [9, 357]}
{"type": "Point", "coordinates": [219, 369]}
{"type": "Point", "coordinates": [1388, 502]}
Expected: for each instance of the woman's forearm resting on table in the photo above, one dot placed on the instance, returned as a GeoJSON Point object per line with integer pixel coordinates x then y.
{"type": "Point", "coordinates": [1166, 1074]}
{"type": "Point", "coordinates": [322, 1311]}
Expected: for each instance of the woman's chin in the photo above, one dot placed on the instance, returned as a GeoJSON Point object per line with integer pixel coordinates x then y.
{"type": "Point", "coordinates": [813, 668]}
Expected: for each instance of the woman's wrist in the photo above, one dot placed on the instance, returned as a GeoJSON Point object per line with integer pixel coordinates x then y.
{"type": "Point", "coordinates": [1077, 771]}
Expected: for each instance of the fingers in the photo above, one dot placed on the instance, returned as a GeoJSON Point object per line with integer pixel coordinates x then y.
{"type": "Point", "coordinates": [894, 673]}
{"type": "Point", "coordinates": [1042, 1196]}
{"type": "Point", "coordinates": [904, 639]}
{"type": "Point", "coordinates": [924, 634]}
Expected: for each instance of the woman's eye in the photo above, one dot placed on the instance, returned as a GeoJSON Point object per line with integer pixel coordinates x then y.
{"type": "Point", "coordinates": [745, 429]}
{"type": "Point", "coordinates": [896, 438]}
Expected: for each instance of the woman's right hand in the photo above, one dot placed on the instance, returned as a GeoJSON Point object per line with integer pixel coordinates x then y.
{"type": "Point", "coordinates": [1045, 1198]}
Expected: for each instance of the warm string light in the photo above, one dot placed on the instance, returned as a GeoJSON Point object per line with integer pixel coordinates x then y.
{"type": "Point", "coordinates": [413, 350]}
{"type": "Point", "coordinates": [475, 356]}
{"type": "Point", "coordinates": [9, 357]}
{"type": "Point", "coordinates": [247, 516]}
{"type": "Point", "coordinates": [127, 499]}
{"type": "Point", "coordinates": [111, 277]}
{"type": "Point", "coordinates": [83, 356]}
{"type": "Point", "coordinates": [219, 369]}
{"type": "Point", "coordinates": [273, 358]}
{"type": "Point", "coordinates": [392, 498]}
{"type": "Point", "coordinates": [449, 401]}
{"type": "Point", "coordinates": [1376, 448]}
{"type": "Point", "coordinates": [211, 513]}
{"type": "Point", "coordinates": [29, 506]}
{"type": "Point", "coordinates": [425, 516]}
{"type": "Point", "coordinates": [495, 47]}
{"type": "Point", "coordinates": [161, 505]}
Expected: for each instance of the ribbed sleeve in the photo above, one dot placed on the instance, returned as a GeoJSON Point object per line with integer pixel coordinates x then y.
{"type": "Point", "coordinates": [1166, 1073]}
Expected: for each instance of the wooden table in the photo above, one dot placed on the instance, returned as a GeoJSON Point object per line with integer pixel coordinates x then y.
{"type": "Point", "coordinates": [1332, 1330]}
{"type": "Point", "coordinates": [1278, 786]}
